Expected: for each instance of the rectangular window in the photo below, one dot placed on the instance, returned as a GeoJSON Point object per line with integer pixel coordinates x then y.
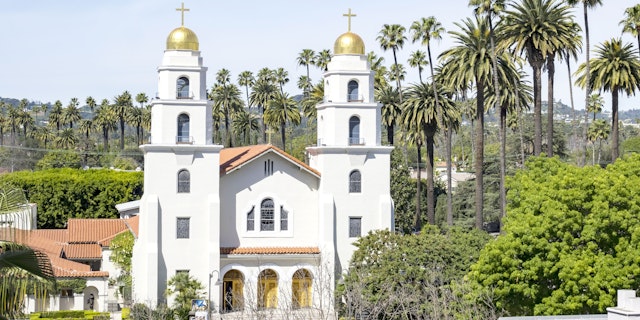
{"type": "Point", "coordinates": [355, 227]}
{"type": "Point", "coordinates": [182, 228]}
{"type": "Point", "coordinates": [182, 271]}
{"type": "Point", "coordinates": [284, 219]}
{"type": "Point", "coordinates": [251, 219]}
{"type": "Point", "coordinates": [266, 220]}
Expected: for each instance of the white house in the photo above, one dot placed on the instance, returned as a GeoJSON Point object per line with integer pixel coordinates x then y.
{"type": "Point", "coordinates": [260, 229]}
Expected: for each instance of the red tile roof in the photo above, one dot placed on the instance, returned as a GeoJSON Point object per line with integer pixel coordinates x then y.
{"type": "Point", "coordinates": [133, 223]}
{"type": "Point", "coordinates": [83, 251]}
{"type": "Point", "coordinates": [232, 158]}
{"type": "Point", "coordinates": [93, 230]}
{"type": "Point", "coordinates": [63, 268]}
{"type": "Point", "coordinates": [270, 250]}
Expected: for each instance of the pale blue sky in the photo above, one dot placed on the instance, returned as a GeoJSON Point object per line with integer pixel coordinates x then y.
{"type": "Point", "coordinates": [56, 50]}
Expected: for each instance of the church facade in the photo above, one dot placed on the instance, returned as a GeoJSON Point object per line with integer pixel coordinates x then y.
{"type": "Point", "coordinates": [260, 229]}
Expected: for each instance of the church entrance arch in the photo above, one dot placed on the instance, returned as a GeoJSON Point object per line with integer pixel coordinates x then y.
{"type": "Point", "coordinates": [90, 298]}
{"type": "Point", "coordinates": [233, 288]}
{"type": "Point", "coordinates": [268, 289]}
{"type": "Point", "coordinates": [301, 289]}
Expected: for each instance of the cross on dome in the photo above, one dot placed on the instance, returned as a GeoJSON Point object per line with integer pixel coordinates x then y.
{"type": "Point", "coordinates": [183, 9]}
{"type": "Point", "coordinates": [349, 15]}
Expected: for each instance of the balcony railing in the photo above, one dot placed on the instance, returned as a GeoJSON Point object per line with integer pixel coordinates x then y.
{"type": "Point", "coordinates": [354, 97]}
{"type": "Point", "coordinates": [184, 140]}
{"type": "Point", "coordinates": [356, 141]}
{"type": "Point", "coordinates": [184, 95]}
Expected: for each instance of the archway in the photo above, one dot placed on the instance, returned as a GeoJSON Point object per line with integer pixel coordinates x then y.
{"type": "Point", "coordinates": [233, 288]}
{"type": "Point", "coordinates": [90, 298]}
{"type": "Point", "coordinates": [268, 289]}
{"type": "Point", "coordinates": [301, 286]}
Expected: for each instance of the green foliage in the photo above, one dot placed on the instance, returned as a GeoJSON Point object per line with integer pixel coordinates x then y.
{"type": "Point", "coordinates": [389, 271]}
{"type": "Point", "coordinates": [186, 288]}
{"type": "Point", "coordinates": [569, 239]}
{"type": "Point", "coordinates": [59, 159]}
{"type": "Point", "coordinates": [124, 163]}
{"type": "Point", "coordinates": [122, 250]}
{"type": "Point", "coordinates": [126, 313]}
{"type": "Point", "coordinates": [77, 285]}
{"type": "Point", "coordinates": [71, 193]}
{"type": "Point", "coordinates": [70, 315]}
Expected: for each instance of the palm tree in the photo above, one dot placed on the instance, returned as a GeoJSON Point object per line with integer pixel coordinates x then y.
{"type": "Point", "coordinates": [306, 58]}
{"type": "Point", "coordinates": [263, 91]}
{"type": "Point", "coordinates": [392, 37]}
{"type": "Point", "coordinates": [106, 119]}
{"type": "Point", "coordinates": [281, 110]}
{"type": "Point", "coordinates": [598, 131]}
{"type": "Point", "coordinates": [121, 108]}
{"type": "Point", "coordinates": [389, 97]}
{"type": "Point", "coordinates": [227, 96]}
{"type": "Point", "coordinates": [134, 118]}
{"type": "Point", "coordinates": [66, 139]}
{"type": "Point", "coordinates": [413, 134]}
{"type": "Point", "coordinates": [91, 102]}
{"type": "Point", "coordinates": [614, 69]}
{"type": "Point", "coordinates": [418, 59]}
{"type": "Point", "coordinates": [469, 62]}
{"type": "Point", "coordinates": [380, 71]}
{"type": "Point", "coordinates": [586, 4]}
{"type": "Point", "coordinates": [86, 126]}
{"type": "Point", "coordinates": [26, 122]}
{"type": "Point", "coordinates": [281, 77]}
{"type": "Point", "coordinates": [397, 72]}
{"type": "Point", "coordinates": [21, 267]}
{"type": "Point", "coordinates": [244, 123]}
{"type": "Point", "coordinates": [55, 116]}
{"type": "Point", "coordinates": [631, 22]}
{"type": "Point", "coordinates": [322, 59]}
{"type": "Point", "coordinates": [245, 78]}
{"type": "Point", "coordinates": [596, 102]}
{"type": "Point", "coordinates": [13, 116]}
{"type": "Point", "coordinates": [420, 109]}
{"type": "Point", "coordinates": [425, 30]}
{"type": "Point", "coordinates": [71, 113]}
{"type": "Point", "coordinates": [316, 97]}
{"type": "Point", "coordinates": [141, 98]}
{"type": "Point", "coordinates": [304, 84]}
{"type": "Point", "coordinates": [44, 135]}
{"type": "Point", "coordinates": [538, 28]}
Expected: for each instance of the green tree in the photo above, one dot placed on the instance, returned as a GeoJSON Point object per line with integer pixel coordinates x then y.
{"type": "Point", "coordinates": [568, 241]}
{"type": "Point", "coordinates": [122, 250]}
{"type": "Point", "coordinates": [468, 62]}
{"type": "Point", "coordinates": [71, 113]}
{"type": "Point", "coordinates": [55, 115]}
{"type": "Point", "coordinates": [417, 59]}
{"type": "Point", "coordinates": [596, 102]}
{"type": "Point", "coordinates": [121, 107]}
{"type": "Point", "coordinates": [391, 102]}
{"type": "Point", "coordinates": [66, 139]}
{"type": "Point", "coordinates": [263, 91]}
{"type": "Point", "coordinates": [598, 131]}
{"type": "Point", "coordinates": [392, 37]}
{"type": "Point", "coordinates": [305, 59]}
{"type": "Point", "coordinates": [106, 119]}
{"type": "Point", "coordinates": [91, 102]}
{"type": "Point", "coordinates": [245, 123]}
{"type": "Point", "coordinates": [631, 22]}
{"type": "Point", "coordinates": [539, 28]}
{"type": "Point", "coordinates": [246, 79]}
{"type": "Point", "coordinates": [281, 110]}
{"type": "Point", "coordinates": [185, 288]}
{"type": "Point", "coordinates": [322, 59]}
{"type": "Point", "coordinates": [281, 77]}
{"type": "Point", "coordinates": [614, 69]}
{"type": "Point", "coordinates": [59, 159]}
{"type": "Point", "coordinates": [226, 97]}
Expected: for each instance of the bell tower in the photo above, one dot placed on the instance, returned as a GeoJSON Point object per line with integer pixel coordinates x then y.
{"type": "Point", "coordinates": [355, 187]}
{"type": "Point", "coordinates": [180, 207]}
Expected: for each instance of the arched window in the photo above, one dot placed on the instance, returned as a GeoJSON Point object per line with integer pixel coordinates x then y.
{"type": "Point", "coordinates": [267, 222]}
{"type": "Point", "coordinates": [268, 289]}
{"type": "Point", "coordinates": [355, 182]}
{"type": "Point", "coordinates": [301, 289]}
{"type": "Point", "coordinates": [251, 219]}
{"type": "Point", "coordinates": [184, 181]}
{"type": "Point", "coordinates": [183, 129]}
{"type": "Point", "coordinates": [352, 88]}
{"type": "Point", "coordinates": [354, 130]}
{"type": "Point", "coordinates": [233, 283]}
{"type": "Point", "coordinates": [182, 88]}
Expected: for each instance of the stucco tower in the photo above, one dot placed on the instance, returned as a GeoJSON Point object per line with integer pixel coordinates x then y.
{"type": "Point", "coordinates": [354, 191]}
{"type": "Point", "coordinates": [180, 208]}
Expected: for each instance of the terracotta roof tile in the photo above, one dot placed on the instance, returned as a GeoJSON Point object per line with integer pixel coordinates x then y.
{"type": "Point", "coordinates": [83, 251]}
{"type": "Point", "coordinates": [133, 223]}
{"type": "Point", "coordinates": [63, 268]}
{"type": "Point", "coordinates": [31, 239]}
{"type": "Point", "coordinates": [93, 230]}
{"type": "Point", "coordinates": [270, 250]}
{"type": "Point", "coordinates": [232, 158]}
{"type": "Point", "coordinates": [57, 235]}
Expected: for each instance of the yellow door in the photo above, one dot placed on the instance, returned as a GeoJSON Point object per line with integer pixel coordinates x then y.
{"type": "Point", "coordinates": [271, 294]}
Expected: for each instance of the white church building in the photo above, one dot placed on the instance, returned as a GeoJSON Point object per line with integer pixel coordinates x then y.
{"type": "Point", "coordinates": [260, 229]}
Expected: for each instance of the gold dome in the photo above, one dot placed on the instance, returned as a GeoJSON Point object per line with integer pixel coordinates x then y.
{"type": "Point", "coordinates": [182, 38]}
{"type": "Point", "coordinates": [348, 43]}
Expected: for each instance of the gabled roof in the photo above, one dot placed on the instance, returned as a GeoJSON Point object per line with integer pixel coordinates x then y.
{"type": "Point", "coordinates": [270, 250]}
{"type": "Point", "coordinates": [63, 268]}
{"type": "Point", "coordinates": [133, 223]}
{"type": "Point", "coordinates": [83, 251]}
{"type": "Point", "coordinates": [234, 158]}
{"type": "Point", "coordinates": [93, 230]}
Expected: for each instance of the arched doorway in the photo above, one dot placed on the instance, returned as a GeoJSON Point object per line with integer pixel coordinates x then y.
{"type": "Point", "coordinates": [268, 289]}
{"type": "Point", "coordinates": [301, 286]}
{"type": "Point", "coordinates": [90, 298]}
{"type": "Point", "coordinates": [233, 288]}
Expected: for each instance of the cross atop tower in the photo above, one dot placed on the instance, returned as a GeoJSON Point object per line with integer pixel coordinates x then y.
{"type": "Point", "coordinates": [349, 15]}
{"type": "Point", "coordinates": [182, 9]}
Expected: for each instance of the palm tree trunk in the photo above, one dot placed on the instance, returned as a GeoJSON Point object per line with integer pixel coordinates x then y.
{"type": "Point", "coordinates": [503, 162]}
{"type": "Point", "coordinates": [227, 131]}
{"type": "Point", "coordinates": [537, 110]}
{"type": "Point", "coordinates": [395, 61]}
{"type": "Point", "coordinates": [121, 133]}
{"type": "Point", "coordinates": [264, 127]}
{"type": "Point", "coordinates": [105, 136]}
{"type": "Point", "coordinates": [588, 75]}
{"type": "Point", "coordinates": [573, 109]}
{"type": "Point", "coordinates": [479, 153]}
{"type": "Point", "coordinates": [614, 124]}
{"type": "Point", "coordinates": [449, 188]}
{"type": "Point", "coordinates": [431, 203]}
{"type": "Point", "coordinates": [390, 129]}
{"type": "Point", "coordinates": [416, 218]}
{"type": "Point", "coordinates": [551, 69]}
{"type": "Point", "coordinates": [283, 135]}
